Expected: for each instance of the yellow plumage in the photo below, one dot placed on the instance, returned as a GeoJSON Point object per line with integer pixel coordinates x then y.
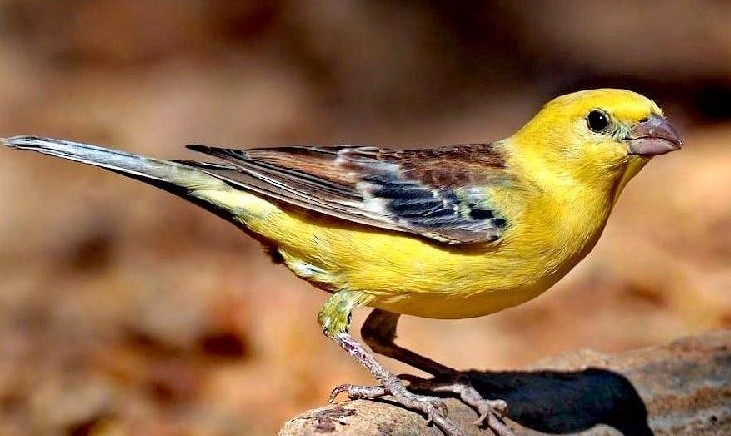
{"type": "Point", "coordinates": [557, 207]}
{"type": "Point", "coordinates": [451, 232]}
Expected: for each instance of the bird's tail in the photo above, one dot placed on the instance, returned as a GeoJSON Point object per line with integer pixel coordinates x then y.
{"type": "Point", "coordinates": [177, 178]}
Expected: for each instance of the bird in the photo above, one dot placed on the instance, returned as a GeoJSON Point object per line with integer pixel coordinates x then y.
{"type": "Point", "coordinates": [447, 232]}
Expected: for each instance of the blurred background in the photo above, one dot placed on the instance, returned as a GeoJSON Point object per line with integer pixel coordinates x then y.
{"type": "Point", "coordinates": [127, 310]}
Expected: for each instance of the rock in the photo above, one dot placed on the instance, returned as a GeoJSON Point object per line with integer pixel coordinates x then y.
{"type": "Point", "coordinates": [682, 387]}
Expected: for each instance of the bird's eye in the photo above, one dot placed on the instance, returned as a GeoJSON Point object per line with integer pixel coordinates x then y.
{"type": "Point", "coordinates": [597, 121]}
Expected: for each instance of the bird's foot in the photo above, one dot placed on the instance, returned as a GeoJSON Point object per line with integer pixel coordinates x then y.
{"type": "Point", "coordinates": [433, 408]}
{"type": "Point", "coordinates": [491, 412]}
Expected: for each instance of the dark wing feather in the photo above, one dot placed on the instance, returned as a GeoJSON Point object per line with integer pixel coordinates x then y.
{"type": "Point", "coordinates": [435, 193]}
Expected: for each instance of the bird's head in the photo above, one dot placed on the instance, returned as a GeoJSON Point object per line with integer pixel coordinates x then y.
{"type": "Point", "coordinates": [597, 135]}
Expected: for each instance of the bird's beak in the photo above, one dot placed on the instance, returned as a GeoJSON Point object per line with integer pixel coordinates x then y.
{"type": "Point", "coordinates": [653, 136]}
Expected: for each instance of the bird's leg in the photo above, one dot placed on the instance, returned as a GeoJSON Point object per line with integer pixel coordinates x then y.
{"type": "Point", "coordinates": [334, 318]}
{"type": "Point", "coordinates": [379, 332]}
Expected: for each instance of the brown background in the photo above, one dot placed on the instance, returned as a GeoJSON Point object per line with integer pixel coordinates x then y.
{"type": "Point", "coordinates": [125, 309]}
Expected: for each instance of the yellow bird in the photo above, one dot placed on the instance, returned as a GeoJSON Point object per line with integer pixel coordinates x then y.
{"type": "Point", "coordinates": [451, 232]}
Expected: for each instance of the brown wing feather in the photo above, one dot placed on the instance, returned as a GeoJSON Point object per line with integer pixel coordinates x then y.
{"type": "Point", "coordinates": [434, 193]}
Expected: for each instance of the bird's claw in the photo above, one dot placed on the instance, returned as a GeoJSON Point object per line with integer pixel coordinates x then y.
{"type": "Point", "coordinates": [434, 408]}
{"type": "Point", "coordinates": [356, 392]}
{"type": "Point", "coordinates": [491, 412]}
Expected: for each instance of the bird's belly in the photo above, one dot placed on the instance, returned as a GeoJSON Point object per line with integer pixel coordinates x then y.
{"type": "Point", "coordinates": [426, 282]}
{"type": "Point", "coordinates": [408, 275]}
{"type": "Point", "coordinates": [457, 306]}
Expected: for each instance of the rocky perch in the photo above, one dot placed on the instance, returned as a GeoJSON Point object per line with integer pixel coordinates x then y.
{"type": "Point", "coordinates": [683, 387]}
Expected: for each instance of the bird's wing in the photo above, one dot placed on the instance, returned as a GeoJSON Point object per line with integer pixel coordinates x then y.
{"type": "Point", "coordinates": [437, 193]}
